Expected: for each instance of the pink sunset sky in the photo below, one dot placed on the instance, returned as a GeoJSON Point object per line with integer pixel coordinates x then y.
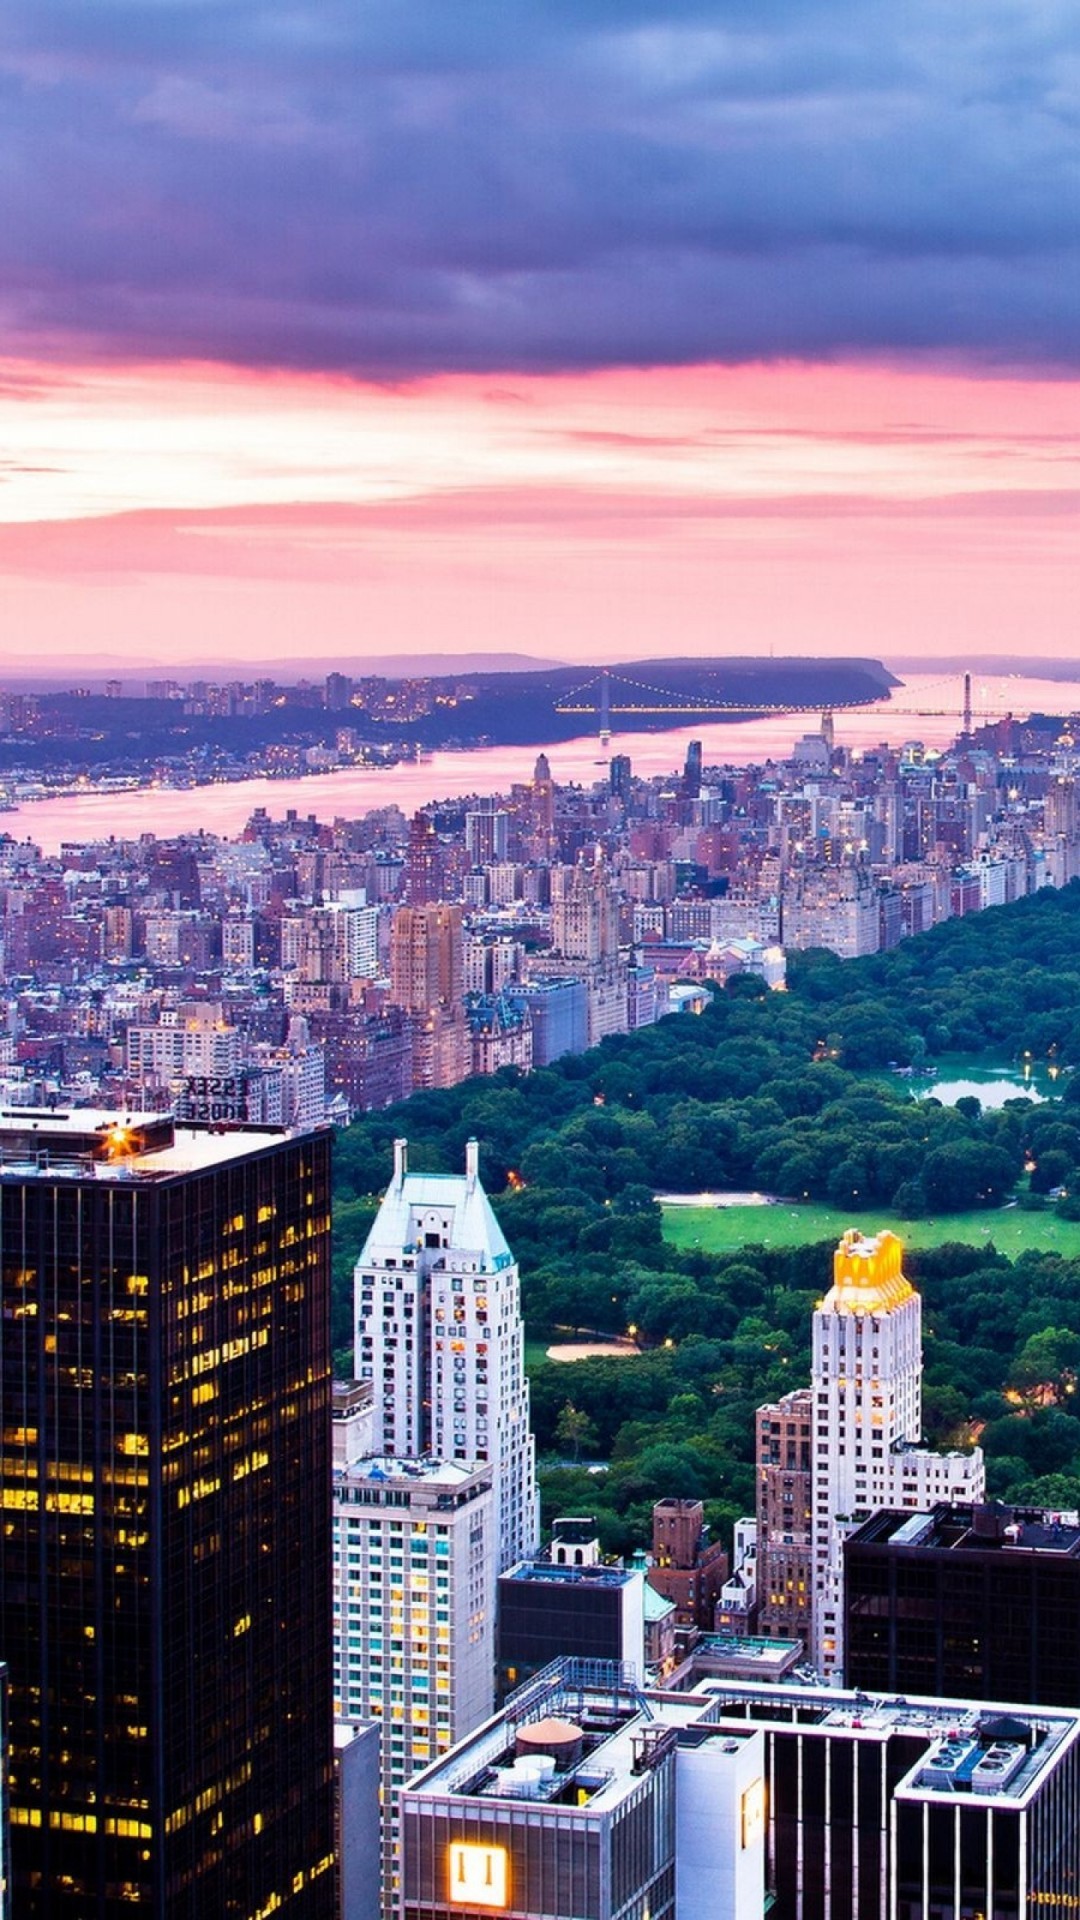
{"type": "Point", "coordinates": [201, 514]}
{"type": "Point", "coordinates": [583, 333]}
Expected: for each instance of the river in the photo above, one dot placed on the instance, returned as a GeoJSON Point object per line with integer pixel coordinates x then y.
{"type": "Point", "coordinates": [926, 708]}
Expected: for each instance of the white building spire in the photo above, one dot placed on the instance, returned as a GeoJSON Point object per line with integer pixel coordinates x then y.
{"type": "Point", "coordinates": [439, 1334]}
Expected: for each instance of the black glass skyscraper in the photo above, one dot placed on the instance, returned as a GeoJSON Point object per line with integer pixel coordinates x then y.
{"type": "Point", "coordinates": [975, 1602]}
{"type": "Point", "coordinates": [164, 1573]}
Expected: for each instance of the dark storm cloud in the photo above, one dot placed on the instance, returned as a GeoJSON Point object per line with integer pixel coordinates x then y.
{"type": "Point", "coordinates": [392, 189]}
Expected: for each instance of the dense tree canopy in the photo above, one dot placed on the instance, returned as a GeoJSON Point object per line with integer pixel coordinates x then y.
{"type": "Point", "coordinates": [774, 1091]}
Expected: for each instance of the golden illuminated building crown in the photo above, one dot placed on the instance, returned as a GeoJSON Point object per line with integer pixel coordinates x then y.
{"type": "Point", "coordinates": [867, 1275]}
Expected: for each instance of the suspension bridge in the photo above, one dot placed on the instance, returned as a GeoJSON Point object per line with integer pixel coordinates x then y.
{"type": "Point", "coordinates": [607, 694]}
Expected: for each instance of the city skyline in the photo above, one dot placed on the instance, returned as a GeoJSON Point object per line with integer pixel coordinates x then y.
{"type": "Point", "coordinates": [647, 331]}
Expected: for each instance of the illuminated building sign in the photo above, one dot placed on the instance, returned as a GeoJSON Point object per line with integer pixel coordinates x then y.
{"type": "Point", "coordinates": [753, 1813]}
{"type": "Point", "coordinates": [214, 1097]}
{"type": "Point", "coordinates": [479, 1875]}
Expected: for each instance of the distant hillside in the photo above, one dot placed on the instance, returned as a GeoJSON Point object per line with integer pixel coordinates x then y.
{"type": "Point", "coordinates": [89, 731]}
{"type": "Point", "coordinates": [25, 675]}
{"type": "Point", "coordinates": [523, 709]}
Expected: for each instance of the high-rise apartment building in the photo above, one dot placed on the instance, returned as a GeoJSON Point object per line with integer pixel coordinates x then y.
{"type": "Point", "coordinates": [785, 1505]}
{"type": "Point", "coordinates": [332, 943]}
{"type": "Point", "coordinates": [487, 835]}
{"type": "Point", "coordinates": [834, 907]}
{"type": "Point", "coordinates": [237, 940]}
{"type": "Point", "coordinates": [559, 1012]}
{"type": "Point", "coordinates": [426, 963]}
{"type": "Point", "coordinates": [439, 1334]}
{"type": "Point", "coordinates": [194, 1041]}
{"type": "Point", "coordinates": [423, 875]}
{"type": "Point", "coordinates": [867, 1424]}
{"type": "Point", "coordinates": [584, 920]}
{"type": "Point", "coordinates": [427, 978]}
{"type": "Point", "coordinates": [164, 1573]}
{"type": "Point", "coordinates": [414, 1613]}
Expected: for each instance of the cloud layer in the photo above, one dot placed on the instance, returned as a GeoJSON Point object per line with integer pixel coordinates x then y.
{"type": "Point", "coordinates": [388, 190]}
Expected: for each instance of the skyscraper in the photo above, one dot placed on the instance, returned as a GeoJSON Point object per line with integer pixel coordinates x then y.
{"type": "Point", "coordinates": [427, 974]}
{"type": "Point", "coordinates": [414, 1632]}
{"type": "Point", "coordinates": [426, 963]}
{"type": "Point", "coordinates": [785, 1559]}
{"type": "Point", "coordinates": [486, 835]}
{"type": "Point", "coordinates": [439, 1333]}
{"type": "Point", "coordinates": [584, 920]}
{"type": "Point", "coordinates": [867, 1401]}
{"type": "Point", "coordinates": [979, 1602]}
{"type": "Point", "coordinates": [691, 780]}
{"type": "Point", "coordinates": [584, 1797]}
{"type": "Point", "coordinates": [164, 1567]}
{"type": "Point", "coordinates": [423, 876]}
{"type": "Point", "coordinates": [534, 814]}
{"type": "Point", "coordinates": [620, 775]}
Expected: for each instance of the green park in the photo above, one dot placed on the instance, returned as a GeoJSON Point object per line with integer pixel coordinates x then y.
{"type": "Point", "coordinates": [794, 1094]}
{"type": "Point", "coordinates": [1010, 1229]}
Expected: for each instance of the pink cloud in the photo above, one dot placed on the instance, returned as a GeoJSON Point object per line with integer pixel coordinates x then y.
{"type": "Point", "coordinates": [833, 509]}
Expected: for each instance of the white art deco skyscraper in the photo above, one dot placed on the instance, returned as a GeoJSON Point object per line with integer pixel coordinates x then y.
{"type": "Point", "coordinates": [439, 1335]}
{"type": "Point", "coordinates": [867, 1419]}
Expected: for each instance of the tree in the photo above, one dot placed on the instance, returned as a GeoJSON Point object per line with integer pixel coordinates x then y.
{"type": "Point", "coordinates": [637, 1199]}
{"type": "Point", "coordinates": [1060, 1490]}
{"type": "Point", "coordinates": [575, 1430]}
{"type": "Point", "coordinates": [1051, 1169]}
{"type": "Point", "coordinates": [1044, 1370]}
{"type": "Point", "coordinates": [965, 1174]}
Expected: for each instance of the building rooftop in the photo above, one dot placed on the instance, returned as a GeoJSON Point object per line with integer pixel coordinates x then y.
{"type": "Point", "coordinates": [987, 1529]}
{"type": "Point", "coordinates": [351, 1396]}
{"type": "Point", "coordinates": [867, 1276]}
{"type": "Point", "coordinates": [657, 1606]}
{"type": "Point", "coordinates": [459, 1198]}
{"type": "Point", "coordinates": [574, 1529]}
{"type": "Point", "coordinates": [546, 1573]}
{"type": "Point", "coordinates": [92, 1144]}
{"type": "Point", "coordinates": [603, 1737]}
{"type": "Point", "coordinates": [778, 1654]}
{"type": "Point", "coordinates": [424, 1471]}
{"type": "Point", "coordinates": [981, 1752]}
{"type": "Point", "coordinates": [959, 1734]}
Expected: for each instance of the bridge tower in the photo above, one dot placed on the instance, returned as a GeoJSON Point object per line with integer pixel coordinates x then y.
{"type": "Point", "coordinates": [605, 710]}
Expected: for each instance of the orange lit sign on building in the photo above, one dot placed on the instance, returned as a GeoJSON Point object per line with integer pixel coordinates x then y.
{"type": "Point", "coordinates": [753, 1813]}
{"type": "Point", "coordinates": [479, 1875]}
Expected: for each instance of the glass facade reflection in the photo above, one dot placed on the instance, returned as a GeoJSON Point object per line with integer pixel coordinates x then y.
{"type": "Point", "coordinates": [979, 1603]}
{"type": "Point", "coordinates": [164, 1576]}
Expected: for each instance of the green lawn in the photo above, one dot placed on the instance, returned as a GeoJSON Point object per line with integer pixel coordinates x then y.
{"type": "Point", "coordinates": [727, 1229]}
